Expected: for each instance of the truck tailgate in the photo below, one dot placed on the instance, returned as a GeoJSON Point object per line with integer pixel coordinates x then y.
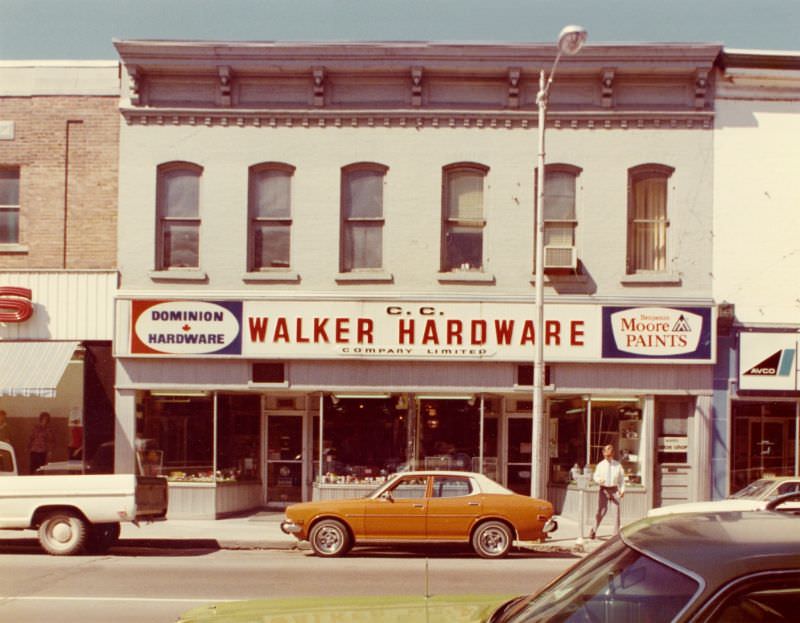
{"type": "Point", "coordinates": [151, 497]}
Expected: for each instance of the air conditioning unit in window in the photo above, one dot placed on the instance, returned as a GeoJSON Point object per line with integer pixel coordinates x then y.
{"type": "Point", "coordinates": [560, 258]}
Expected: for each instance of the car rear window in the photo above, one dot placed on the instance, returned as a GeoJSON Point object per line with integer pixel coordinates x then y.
{"type": "Point", "coordinates": [619, 584]}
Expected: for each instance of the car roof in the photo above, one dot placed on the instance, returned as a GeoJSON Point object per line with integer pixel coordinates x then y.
{"type": "Point", "coordinates": [487, 485]}
{"type": "Point", "coordinates": [720, 545]}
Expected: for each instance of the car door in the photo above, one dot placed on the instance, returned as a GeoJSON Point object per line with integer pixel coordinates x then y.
{"type": "Point", "coordinates": [453, 507]}
{"type": "Point", "coordinates": [398, 514]}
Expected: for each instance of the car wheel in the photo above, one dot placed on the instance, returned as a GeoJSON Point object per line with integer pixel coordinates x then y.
{"type": "Point", "coordinates": [492, 539]}
{"type": "Point", "coordinates": [330, 538]}
{"type": "Point", "coordinates": [63, 533]}
{"type": "Point", "coordinates": [102, 537]}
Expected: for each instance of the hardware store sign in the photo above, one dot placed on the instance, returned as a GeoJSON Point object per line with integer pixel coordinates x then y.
{"type": "Point", "coordinates": [415, 330]}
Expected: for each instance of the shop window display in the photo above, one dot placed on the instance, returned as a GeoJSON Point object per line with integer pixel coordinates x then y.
{"type": "Point", "coordinates": [449, 433]}
{"type": "Point", "coordinates": [238, 437]}
{"type": "Point", "coordinates": [581, 428]}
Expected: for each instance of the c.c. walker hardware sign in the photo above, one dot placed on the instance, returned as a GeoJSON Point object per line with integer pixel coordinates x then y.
{"type": "Point", "coordinates": [416, 330]}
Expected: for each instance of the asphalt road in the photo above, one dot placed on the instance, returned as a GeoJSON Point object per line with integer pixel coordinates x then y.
{"type": "Point", "coordinates": [135, 584]}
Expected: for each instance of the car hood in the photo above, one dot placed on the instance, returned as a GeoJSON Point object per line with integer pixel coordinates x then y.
{"type": "Point", "coordinates": [717, 506]}
{"type": "Point", "coordinates": [436, 609]}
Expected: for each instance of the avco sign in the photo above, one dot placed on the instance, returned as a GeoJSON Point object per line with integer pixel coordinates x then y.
{"type": "Point", "coordinates": [768, 361]}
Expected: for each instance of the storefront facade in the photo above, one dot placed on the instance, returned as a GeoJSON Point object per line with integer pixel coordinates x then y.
{"type": "Point", "coordinates": [756, 397]}
{"type": "Point", "coordinates": [59, 131]}
{"type": "Point", "coordinates": [331, 272]}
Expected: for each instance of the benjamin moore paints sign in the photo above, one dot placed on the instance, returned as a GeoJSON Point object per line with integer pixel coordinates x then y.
{"type": "Point", "coordinates": [417, 330]}
{"type": "Point", "coordinates": [768, 361]}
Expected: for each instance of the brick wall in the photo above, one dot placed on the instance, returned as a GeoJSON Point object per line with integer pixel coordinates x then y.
{"type": "Point", "coordinates": [64, 142]}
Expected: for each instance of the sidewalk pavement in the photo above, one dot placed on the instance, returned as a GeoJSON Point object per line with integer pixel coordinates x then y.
{"type": "Point", "coordinates": [260, 530]}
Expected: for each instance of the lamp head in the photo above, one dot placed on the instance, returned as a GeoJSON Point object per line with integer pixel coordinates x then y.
{"type": "Point", "coordinates": [571, 39]}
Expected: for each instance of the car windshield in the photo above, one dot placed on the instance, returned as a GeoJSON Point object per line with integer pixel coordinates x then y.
{"type": "Point", "coordinates": [756, 490]}
{"type": "Point", "coordinates": [617, 584]}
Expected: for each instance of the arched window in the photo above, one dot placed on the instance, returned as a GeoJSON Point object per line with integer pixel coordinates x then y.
{"type": "Point", "coordinates": [178, 208]}
{"type": "Point", "coordinates": [270, 216]}
{"type": "Point", "coordinates": [462, 216]}
{"type": "Point", "coordinates": [647, 218]}
{"type": "Point", "coordinates": [362, 218]}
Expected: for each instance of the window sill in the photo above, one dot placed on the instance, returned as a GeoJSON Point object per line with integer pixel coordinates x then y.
{"type": "Point", "coordinates": [563, 278]}
{"type": "Point", "coordinates": [466, 277]}
{"type": "Point", "coordinates": [13, 248]}
{"type": "Point", "coordinates": [363, 276]}
{"type": "Point", "coordinates": [179, 274]}
{"type": "Point", "coordinates": [271, 276]}
{"type": "Point", "coordinates": [647, 279]}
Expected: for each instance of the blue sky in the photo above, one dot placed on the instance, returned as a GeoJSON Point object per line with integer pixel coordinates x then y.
{"type": "Point", "coordinates": [83, 29]}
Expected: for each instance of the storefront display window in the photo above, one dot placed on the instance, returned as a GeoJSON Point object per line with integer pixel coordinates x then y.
{"type": "Point", "coordinates": [238, 437]}
{"type": "Point", "coordinates": [449, 434]}
{"type": "Point", "coordinates": [180, 428]}
{"type": "Point", "coordinates": [581, 427]}
{"type": "Point", "coordinates": [364, 439]}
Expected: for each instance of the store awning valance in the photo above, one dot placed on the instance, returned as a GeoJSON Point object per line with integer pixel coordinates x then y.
{"type": "Point", "coordinates": [33, 368]}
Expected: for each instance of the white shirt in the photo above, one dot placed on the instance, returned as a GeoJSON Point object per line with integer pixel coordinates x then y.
{"type": "Point", "coordinates": [610, 474]}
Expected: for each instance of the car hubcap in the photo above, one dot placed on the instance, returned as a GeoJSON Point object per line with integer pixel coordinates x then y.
{"type": "Point", "coordinates": [493, 541]}
{"type": "Point", "coordinates": [329, 539]}
{"type": "Point", "coordinates": [61, 532]}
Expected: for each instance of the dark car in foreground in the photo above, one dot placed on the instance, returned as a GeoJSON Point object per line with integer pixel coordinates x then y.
{"type": "Point", "coordinates": [724, 567]}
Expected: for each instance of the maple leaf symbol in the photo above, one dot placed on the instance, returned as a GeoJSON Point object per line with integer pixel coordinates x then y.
{"type": "Point", "coordinates": [186, 327]}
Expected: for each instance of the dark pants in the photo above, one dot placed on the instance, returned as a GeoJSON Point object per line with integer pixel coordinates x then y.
{"type": "Point", "coordinates": [37, 460]}
{"type": "Point", "coordinates": [606, 495]}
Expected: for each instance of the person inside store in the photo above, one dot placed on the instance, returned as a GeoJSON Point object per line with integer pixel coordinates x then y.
{"type": "Point", "coordinates": [5, 432]}
{"type": "Point", "coordinates": [611, 478]}
{"type": "Point", "coordinates": [40, 444]}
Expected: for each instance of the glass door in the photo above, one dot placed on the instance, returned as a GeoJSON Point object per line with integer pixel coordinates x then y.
{"type": "Point", "coordinates": [519, 455]}
{"type": "Point", "coordinates": [284, 459]}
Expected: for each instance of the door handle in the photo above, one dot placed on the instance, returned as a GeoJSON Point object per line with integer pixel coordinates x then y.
{"type": "Point", "coordinates": [419, 506]}
{"type": "Point", "coordinates": [472, 504]}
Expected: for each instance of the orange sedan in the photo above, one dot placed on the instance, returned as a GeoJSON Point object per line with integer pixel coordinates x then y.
{"type": "Point", "coordinates": [430, 506]}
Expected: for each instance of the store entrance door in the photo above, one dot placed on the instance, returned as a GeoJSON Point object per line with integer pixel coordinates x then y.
{"type": "Point", "coordinates": [518, 474]}
{"type": "Point", "coordinates": [284, 463]}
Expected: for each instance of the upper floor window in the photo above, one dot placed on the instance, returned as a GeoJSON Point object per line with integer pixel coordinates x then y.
{"type": "Point", "coordinates": [560, 218]}
{"type": "Point", "coordinates": [462, 217]}
{"type": "Point", "coordinates": [270, 216]}
{"type": "Point", "coordinates": [178, 206]}
{"type": "Point", "coordinates": [9, 206]}
{"type": "Point", "coordinates": [647, 218]}
{"type": "Point", "coordinates": [362, 216]}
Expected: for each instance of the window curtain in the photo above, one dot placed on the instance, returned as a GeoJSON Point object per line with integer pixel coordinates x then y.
{"type": "Point", "coordinates": [559, 205]}
{"type": "Point", "coordinates": [270, 211]}
{"type": "Point", "coordinates": [465, 196]}
{"type": "Point", "coordinates": [363, 220]}
{"type": "Point", "coordinates": [650, 224]}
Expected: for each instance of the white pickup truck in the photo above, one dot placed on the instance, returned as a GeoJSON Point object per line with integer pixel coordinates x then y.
{"type": "Point", "coordinates": [73, 513]}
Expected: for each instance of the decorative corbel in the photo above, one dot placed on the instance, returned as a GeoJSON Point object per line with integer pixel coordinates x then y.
{"type": "Point", "coordinates": [607, 85]}
{"type": "Point", "coordinates": [224, 93]}
{"type": "Point", "coordinates": [416, 86]}
{"type": "Point", "coordinates": [514, 74]}
{"type": "Point", "coordinates": [134, 84]}
{"type": "Point", "coordinates": [319, 86]}
{"type": "Point", "coordinates": [700, 88]}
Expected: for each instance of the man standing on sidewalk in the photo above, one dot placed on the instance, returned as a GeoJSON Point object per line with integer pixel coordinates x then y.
{"type": "Point", "coordinates": [611, 478]}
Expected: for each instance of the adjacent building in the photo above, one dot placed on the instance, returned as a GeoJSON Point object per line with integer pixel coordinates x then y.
{"type": "Point", "coordinates": [326, 263]}
{"type": "Point", "coordinates": [59, 129]}
{"type": "Point", "coordinates": [756, 194]}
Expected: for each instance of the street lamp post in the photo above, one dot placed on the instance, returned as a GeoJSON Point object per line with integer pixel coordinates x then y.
{"type": "Point", "coordinates": [570, 41]}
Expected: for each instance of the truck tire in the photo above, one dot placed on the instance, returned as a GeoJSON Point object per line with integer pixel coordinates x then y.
{"type": "Point", "coordinates": [101, 537]}
{"type": "Point", "coordinates": [63, 533]}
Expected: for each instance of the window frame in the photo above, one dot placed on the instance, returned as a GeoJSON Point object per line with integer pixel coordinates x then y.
{"type": "Point", "coordinates": [346, 221]}
{"type": "Point", "coordinates": [16, 172]}
{"type": "Point", "coordinates": [557, 167]}
{"type": "Point", "coordinates": [447, 223]}
{"type": "Point", "coordinates": [253, 219]}
{"type": "Point", "coordinates": [636, 175]}
{"type": "Point", "coordinates": [162, 219]}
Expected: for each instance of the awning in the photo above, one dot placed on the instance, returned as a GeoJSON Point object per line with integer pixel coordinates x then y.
{"type": "Point", "coordinates": [33, 368]}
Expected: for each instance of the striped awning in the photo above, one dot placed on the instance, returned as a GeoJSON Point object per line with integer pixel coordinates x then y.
{"type": "Point", "coordinates": [33, 368]}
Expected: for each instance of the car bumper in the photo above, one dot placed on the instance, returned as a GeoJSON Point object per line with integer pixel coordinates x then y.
{"type": "Point", "coordinates": [289, 527]}
{"type": "Point", "coordinates": [551, 525]}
